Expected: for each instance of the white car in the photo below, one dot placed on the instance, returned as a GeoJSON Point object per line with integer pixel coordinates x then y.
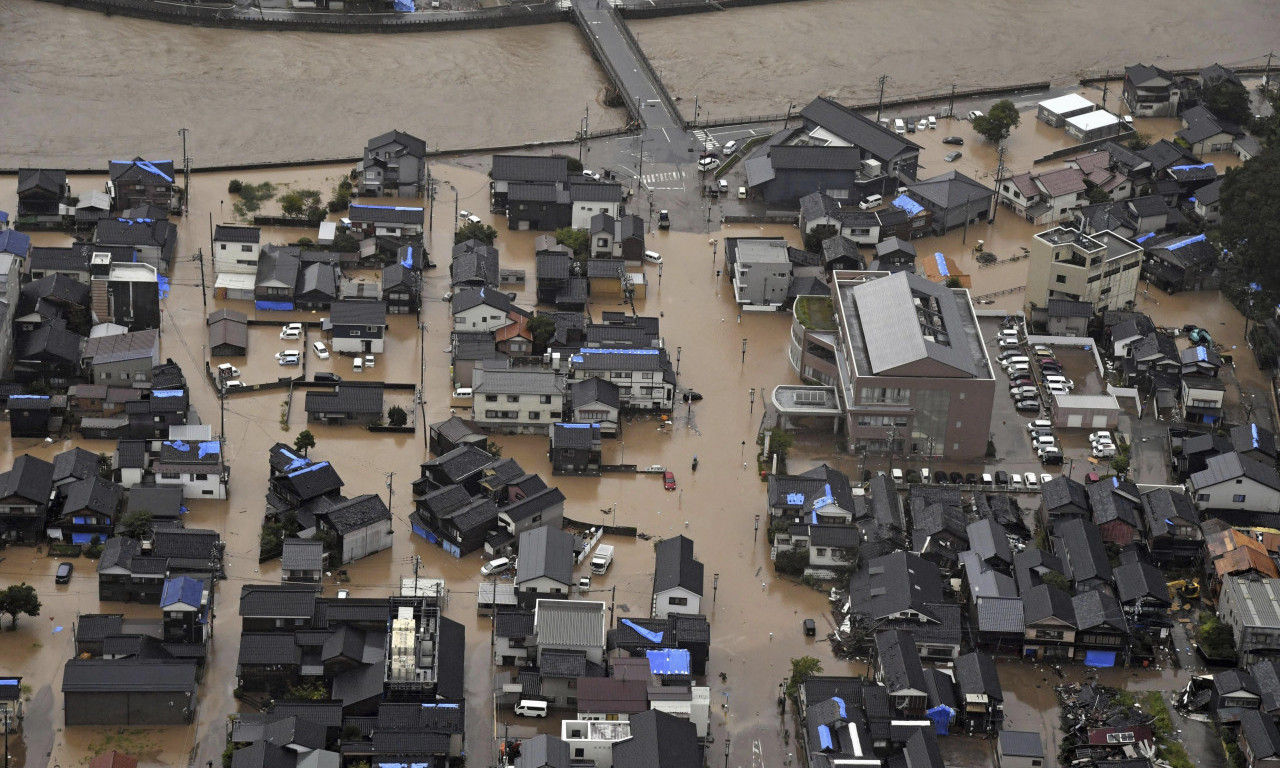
{"type": "Point", "coordinates": [1009, 343]}
{"type": "Point", "coordinates": [357, 365]}
{"type": "Point", "coordinates": [1045, 478]}
{"type": "Point", "coordinates": [1031, 480]}
{"type": "Point", "coordinates": [368, 361]}
{"type": "Point", "coordinates": [1044, 441]}
{"type": "Point", "coordinates": [653, 257]}
{"type": "Point", "coordinates": [974, 114]}
{"type": "Point", "coordinates": [1042, 351]}
{"type": "Point", "coordinates": [1008, 333]}
{"type": "Point", "coordinates": [708, 164]}
{"type": "Point", "coordinates": [923, 125]}
{"type": "Point", "coordinates": [1039, 424]}
{"type": "Point", "coordinates": [290, 334]}
{"type": "Point", "coordinates": [228, 371]}
{"type": "Point", "coordinates": [1015, 480]}
{"type": "Point", "coordinates": [288, 353]}
{"type": "Point", "coordinates": [1057, 389]}
{"type": "Point", "coordinates": [322, 351]}
{"type": "Point", "coordinates": [1100, 435]}
{"type": "Point", "coordinates": [590, 175]}
{"type": "Point", "coordinates": [292, 327]}
{"type": "Point", "coordinates": [288, 359]}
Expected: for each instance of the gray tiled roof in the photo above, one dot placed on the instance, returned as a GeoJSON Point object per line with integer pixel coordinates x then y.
{"type": "Point", "coordinates": [1109, 506]}
{"type": "Point", "coordinates": [1001, 614]}
{"type": "Point", "coordinates": [1139, 580]}
{"type": "Point", "coordinates": [675, 566]}
{"type": "Point", "coordinates": [812, 157]}
{"type": "Point", "coordinates": [1021, 744]}
{"type": "Point", "coordinates": [287, 601]}
{"type": "Point", "coordinates": [302, 555]}
{"type": "Point", "coordinates": [594, 389]}
{"type": "Point", "coordinates": [858, 130]}
{"type": "Point", "coordinates": [357, 513]}
{"type": "Point", "coordinates": [659, 740]}
{"type": "Point", "coordinates": [513, 622]}
{"type": "Point", "coordinates": [989, 540]}
{"type": "Point", "coordinates": [499, 380]}
{"type": "Point", "coordinates": [1267, 674]}
{"type": "Point", "coordinates": [1261, 734]}
{"type": "Point", "coordinates": [1229, 466]}
{"type": "Point", "coordinates": [529, 168]}
{"type": "Point", "coordinates": [347, 397]}
{"type": "Point", "coordinates": [894, 583]}
{"type": "Point", "coordinates": [230, 234]}
{"type": "Point", "coordinates": [949, 190]}
{"type": "Point", "coordinates": [269, 648]}
{"type": "Point", "coordinates": [119, 675]}
{"type": "Point", "coordinates": [97, 626]}
{"type": "Point", "coordinates": [1095, 609]}
{"type": "Point", "coordinates": [545, 553]}
{"type": "Point", "coordinates": [576, 623]}
{"type": "Point", "coordinates": [1079, 543]}
{"type": "Point", "coordinates": [899, 661]}
{"type": "Point", "coordinates": [386, 214]}
{"type": "Point", "coordinates": [1045, 601]}
{"type": "Point", "coordinates": [358, 313]}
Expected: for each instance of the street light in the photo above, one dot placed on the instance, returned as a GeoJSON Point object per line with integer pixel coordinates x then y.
{"type": "Point", "coordinates": [455, 206]}
{"type": "Point", "coordinates": [726, 752]}
{"type": "Point", "coordinates": [744, 351]}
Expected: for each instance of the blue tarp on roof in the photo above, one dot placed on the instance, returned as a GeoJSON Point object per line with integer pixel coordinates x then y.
{"type": "Point", "coordinates": [942, 265]}
{"type": "Point", "coordinates": [182, 589]}
{"type": "Point", "coordinates": [1188, 241]}
{"type": "Point", "coordinates": [824, 737]}
{"type": "Point", "coordinates": [1100, 658]}
{"type": "Point", "coordinates": [840, 703]}
{"type": "Point", "coordinates": [795, 498]}
{"type": "Point", "coordinates": [408, 259]}
{"type": "Point", "coordinates": [669, 661]}
{"type": "Point", "coordinates": [650, 635]}
{"type": "Point", "coordinates": [166, 393]}
{"type": "Point", "coordinates": [146, 166]}
{"type": "Point", "coordinates": [4, 216]}
{"type": "Point", "coordinates": [1145, 237]}
{"type": "Point", "coordinates": [206, 448]}
{"type": "Point", "coordinates": [274, 306]}
{"type": "Point", "coordinates": [1191, 167]}
{"type": "Point", "coordinates": [15, 242]}
{"type": "Point", "coordinates": [574, 426]}
{"type": "Point", "coordinates": [178, 445]}
{"type": "Point", "coordinates": [295, 460]}
{"type": "Point", "coordinates": [439, 706]}
{"type": "Point", "coordinates": [28, 397]}
{"type": "Point", "coordinates": [941, 715]}
{"type": "Point", "coordinates": [907, 204]}
{"type": "Point", "coordinates": [388, 207]}
{"type": "Point", "coordinates": [308, 469]}
{"type": "Point", "coordinates": [1253, 428]}
{"type": "Point", "coordinates": [1202, 353]}
{"type": "Point", "coordinates": [163, 283]}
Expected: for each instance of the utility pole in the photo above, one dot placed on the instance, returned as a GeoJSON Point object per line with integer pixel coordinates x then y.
{"type": "Point", "coordinates": [1106, 84]}
{"type": "Point", "coordinates": [744, 351]}
{"type": "Point", "coordinates": [1266, 75]}
{"type": "Point", "coordinates": [613, 595]}
{"type": "Point", "coordinates": [1000, 169]}
{"type": "Point", "coordinates": [678, 351]}
{"type": "Point", "coordinates": [755, 536]}
{"type": "Point", "coordinates": [753, 401]}
{"type": "Point", "coordinates": [431, 196]}
{"type": "Point", "coordinates": [186, 172]}
{"type": "Point", "coordinates": [715, 586]}
{"type": "Point", "coordinates": [880, 101]}
{"type": "Point", "coordinates": [951, 104]}
{"type": "Point", "coordinates": [391, 476]}
{"type": "Point", "coordinates": [203, 299]}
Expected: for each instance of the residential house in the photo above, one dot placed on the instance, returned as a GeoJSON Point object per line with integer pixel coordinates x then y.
{"type": "Point", "coordinates": [453, 432]}
{"type": "Point", "coordinates": [1019, 749]}
{"type": "Point", "coordinates": [1249, 439]}
{"type": "Point", "coordinates": [1050, 623]}
{"type": "Point", "coordinates": [1205, 132]}
{"type": "Point", "coordinates": [831, 549]}
{"type": "Point", "coordinates": [1094, 126]}
{"type": "Point", "coordinates": [1248, 605]}
{"type": "Point", "coordinates": [1067, 317]}
{"type": "Point", "coordinates": [980, 693]}
{"type": "Point", "coordinates": [350, 402]}
{"type": "Point", "coordinates": [1234, 483]}
{"type": "Point", "coordinates": [1079, 545]}
{"type": "Point", "coordinates": [389, 220]}
{"type": "Point", "coordinates": [1259, 740]}
{"type": "Point", "coordinates": [1100, 269]}
{"type": "Point", "coordinates": [906, 341]}
{"type": "Point", "coordinates": [14, 243]}
{"type": "Point", "coordinates": [474, 264]}
{"type": "Point", "coordinates": [26, 490]}
{"type": "Point", "coordinates": [137, 182]}
{"type": "Point", "coordinates": [517, 400]}
{"type": "Point", "coordinates": [1207, 204]}
{"type": "Point", "coordinates": [594, 401]}
{"type": "Point", "coordinates": [617, 238]}
{"type": "Point", "coordinates": [53, 298]}
{"type": "Point", "coordinates": [555, 277]}
{"type": "Point", "coordinates": [1233, 692]}
{"type": "Point", "coordinates": [1055, 111]}
{"type": "Point", "coordinates": [1173, 527]}
{"type": "Point", "coordinates": [839, 252]}
{"type": "Point", "coordinates": [513, 636]}
{"type": "Point", "coordinates": [88, 510]}
{"type": "Point", "coordinates": [228, 333]}
{"type": "Point", "coordinates": [895, 255]}
{"type": "Point", "coordinates": [645, 377]}
{"type": "Point", "coordinates": [94, 206]}
{"type": "Point", "coordinates": [482, 309]}
{"type": "Point", "coordinates": [1101, 629]}
{"type": "Point", "coordinates": [692, 634]}
{"type": "Point", "coordinates": [401, 289]}
{"type": "Point", "coordinates": [898, 669]}
{"type": "Point", "coordinates": [611, 699]}
{"type": "Point", "coordinates": [31, 415]}
{"type": "Point", "coordinates": [194, 464]}
{"type": "Point", "coordinates": [302, 561]}
{"type": "Point", "coordinates": [994, 608]}
{"type": "Point", "coordinates": [236, 249]}
{"type": "Point", "coordinates": [153, 416]}
{"type": "Point", "coordinates": [575, 449]}
{"type": "Point", "coordinates": [1201, 361]}
{"type": "Point", "coordinates": [901, 590]}
{"type": "Point", "coordinates": [1179, 263]}
{"type": "Point", "coordinates": [1132, 218]}
{"type": "Point", "coordinates": [953, 199]}
{"type": "Point", "coordinates": [163, 503]}
{"type": "Point", "coordinates": [1115, 508]}
{"type": "Point", "coordinates": [1202, 399]}
{"type": "Point", "coordinates": [939, 533]}
{"type": "Point", "coordinates": [1156, 353]}
{"type": "Point", "coordinates": [759, 269]}
{"type": "Point", "coordinates": [1151, 92]}
{"type": "Point", "coordinates": [515, 339]}
{"type": "Point", "coordinates": [129, 573]}
{"type": "Point", "coordinates": [51, 354]}
{"type": "Point", "coordinates": [154, 242]}
{"type": "Point", "coordinates": [528, 169]}
{"type": "Point", "coordinates": [42, 192]}
{"type": "Point", "coordinates": [658, 740]}
{"type": "Point", "coordinates": [277, 277]}
{"type": "Point", "coordinates": [468, 349]}
{"type": "Point", "coordinates": [1045, 198]}
{"type": "Point", "coordinates": [362, 526]}
{"type": "Point", "coordinates": [317, 286]}
{"type": "Point", "coordinates": [823, 495]}
{"type": "Point", "coordinates": [394, 165]}
{"type": "Point", "coordinates": [129, 692]}
{"type": "Point", "coordinates": [545, 566]}
{"type": "Point", "coordinates": [549, 206]}
{"type": "Point", "coordinates": [358, 326]}
{"type": "Point", "coordinates": [677, 578]}
{"type": "Point", "coordinates": [123, 358]}
{"type": "Point", "coordinates": [570, 636]}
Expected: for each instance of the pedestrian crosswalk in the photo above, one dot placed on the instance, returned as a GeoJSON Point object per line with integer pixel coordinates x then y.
{"type": "Point", "coordinates": [653, 178]}
{"type": "Point", "coordinates": [707, 139]}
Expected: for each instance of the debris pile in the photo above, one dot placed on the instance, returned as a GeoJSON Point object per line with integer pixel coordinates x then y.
{"type": "Point", "coordinates": [1102, 724]}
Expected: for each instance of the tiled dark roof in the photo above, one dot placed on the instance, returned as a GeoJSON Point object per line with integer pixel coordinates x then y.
{"type": "Point", "coordinates": [545, 553]}
{"type": "Point", "coordinates": [1095, 609]}
{"type": "Point", "coordinates": [1079, 543]}
{"type": "Point", "coordinates": [813, 157]}
{"type": "Point", "coordinates": [532, 504]}
{"type": "Point", "coordinates": [76, 463]}
{"type": "Point", "coordinates": [1267, 674]}
{"type": "Point", "coordinates": [594, 389]}
{"type": "Point", "coordinates": [347, 397]}
{"type": "Point", "coordinates": [894, 583]}
{"type": "Point", "coordinates": [1260, 733]}
{"type": "Point", "coordinates": [93, 494]}
{"type": "Point", "coordinates": [513, 622]}
{"type": "Point", "coordinates": [119, 552]}
{"type": "Point", "coordinates": [1229, 466]}
{"type": "Point", "coordinates": [189, 543]}
{"type": "Point", "coordinates": [529, 168]}
{"type": "Point", "coordinates": [1138, 580]}
{"type": "Point", "coordinates": [899, 661]}
{"type": "Point", "coordinates": [989, 540]}
{"type": "Point", "coordinates": [659, 740]}
{"type": "Point", "coordinates": [230, 234]}
{"type": "Point", "coordinates": [138, 169]}
{"type": "Point", "coordinates": [878, 141]}
{"type": "Point", "coordinates": [580, 436]}
{"type": "Point", "coordinates": [357, 513]}
{"type": "Point", "coordinates": [1001, 614]}
{"type": "Point", "coordinates": [1044, 601]}
{"type": "Point", "coordinates": [1109, 506]}
{"type": "Point", "coordinates": [289, 601]}
{"type": "Point", "coordinates": [358, 313]}
{"type": "Point", "coordinates": [269, 648]}
{"type": "Point", "coordinates": [96, 626]}
{"type": "Point", "coordinates": [302, 555]}
{"type": "Point", "coordinates": [386, 214]}
{"type": "Point", "coordinates": [675, 566]}
{"type": "Point", "coordinates": [119, 675]}
{"type": "Point", "coordinates": [47, 179]}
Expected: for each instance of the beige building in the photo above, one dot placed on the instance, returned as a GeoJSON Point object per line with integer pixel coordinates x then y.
{"type": "Point", "coordinates": [914, 377]}
{"type": "Point", "coordinates": [1102, 269]}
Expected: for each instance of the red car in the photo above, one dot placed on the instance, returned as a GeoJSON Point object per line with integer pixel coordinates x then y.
{"type": "Point", "coordinates": [669, 480]}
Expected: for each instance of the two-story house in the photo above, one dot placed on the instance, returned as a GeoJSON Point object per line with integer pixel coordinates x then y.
{"type": "Point", "coordinates": [1050, 623]}
{"type": "Point", "coordinates": [482, 309]}
{"type": "Point", "coordinates": [394, 165]}
{"type": "Point", "coordinates": [42, 192]}
{"type": "Point", "coordinates": [575, 449]}
{"type": "Point", "coordinates": [1115, 507]}
{"type": "Point", "coordinates": [122, 358]}
{"type": "Point", "coordinates": [981, 697]}
{"type": "Point", "coordinates": [192, 460]}
{"type": "Point", "coordinates": [1101, 269]}
{"type": "Point", "coordinates": [1179, 262]}
{"type": "Point", "coordinates": [1150, 91]}
{"type": "Point", "coordinates": [594, 400]}
{"type": "Point", "coordinates": [153, 242]}
{"type": "Point", "coordinates": [677, 578]}
{"type": "Point", "coordinates": [358, 326]}
{"type": "Point", "coordinates": [644, 377]}
{"type": "Point", "coordinates": [25, 493]}
{"type": "Point", "coordinates": [137, 182]}
{"type": "Point", "coordinates": [401, 289]}
{"type": "Point", "coordinates": [362, 526]}
{"type": "Point", "coordinates": [570, 637]}
{"type": "Point", "coordinates": [1238, 485]}
{"type": "Point", "coordinates": [1045, 198]}
{"type": "Point", "coordinates": [350, 402]}
{"type": "Point", "coordinates": [1102, 633]}
{"type": "Point", "coordinates": [236, 249]}
{"type": "Point", "coordinates": [760, 270]}
{"type": "Point", "coordinates": [517, 400]}
{"type": "Point", "coordinates": [545, 566]}
{"type": "Point", "coordinates": [617, 238]}
{"type": "Point", "coordinates": [1247, 605]}
{"type": "Point", "coordinates": [898, 669]}
{"type": "Point", "coordinates": [88, 509]}
{"type": "Point", "coordinates": [390, 220]}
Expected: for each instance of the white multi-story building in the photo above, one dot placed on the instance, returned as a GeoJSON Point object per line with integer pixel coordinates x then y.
{"type": "Point", "coordinates": [1102, 269]}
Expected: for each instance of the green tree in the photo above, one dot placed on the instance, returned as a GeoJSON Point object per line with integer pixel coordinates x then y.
{"type": "Point", "coordinates": [493, 449]}
{"type": "Point", "coordinates": [475, 230]}
{"type": "Point", "coordinates": [813, 241]}
{"type": "Point", "coordinates": [780, 442]}
{"type": "Point", "coordinates": [301, 204]}
{"type": "Point", "coordinates": [312, 691]}
{"type": "Point", "coordinates": [954, 282]}
{"type": "Point", "coordinates": [345, 243]}
{"type": "Point", "coordinates": [136, 524]}
{"type": "Point", "coordinates": [1055, 579]}
{"type": "Point", "coordinates": [577, 239]}
{"type": "Point", "coordinates": [1139, 141]}
{"type": "Point", "coordinates": [575, 165]}
{"type": "Point", "coordinates": [304, 442]}
{"type": "Point", "coordinates": [397, 417]}
{"type": "Point", "coordinates": [19, 599]}
{"type": "Point", "coordinates": [999, 120]}
{"type": "Point", "coordinates": [543, 328]}
{"type": "Point", "coordinates": [802, 669]}
{"type": "Point", "coordinates": [1228, 100]}
{"type": "Point", "coordinates": [1251, 220]}
{"type": "Point", "coordinates": [1097, 195]}
{"type": "Point", "coordinates": [235, 186]}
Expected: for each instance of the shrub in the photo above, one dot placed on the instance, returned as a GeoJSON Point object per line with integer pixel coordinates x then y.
{"type": "Point", "coordinates": [791, 562]}
{"type": "Point", "coordinates": [235, 186]}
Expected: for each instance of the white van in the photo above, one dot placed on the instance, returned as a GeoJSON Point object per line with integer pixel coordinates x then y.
{"type": "Point", "coordinates": [1056, 379]}
{"type": "Point", "coordinates": [933, 121]}
{"type": "Point", "coordinates": [742, 193]}
{"type": "Point", "coordinates": [462, 393]}
{"type": "Point", "coordinates": [531, 708]}
{"type": "Point", "coordinates": [495, 566]}
{"type": "Point", "coordinates": [729, 147]}
{"type": "Point", "coordinates": [1008, 362]}
{"type": "Point", "coordinates": [1101, 451]}
{"type": "Point", "coordinates": [899, 127]}
{"type": "Point", "coordinates": [227, 370]}
{"type": "Point", "coordinates": [653, 257]}
{"type": "Point", "coordinates": [871, 202]}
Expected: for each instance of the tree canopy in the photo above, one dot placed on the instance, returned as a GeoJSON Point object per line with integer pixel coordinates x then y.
{"type": "Point", "coordinates": [802, 669]}
{"type": "Point", "coordinates": [304, 442]}
{"type": "Point", "coordinates": [1228, 100]}
{"type": "Point", "coordinates": [543, 328]}
{"type": "Point", "coordinates": [19, 599]}
{"type": "Point", "coordinates": [1251, 220]}
{"type": "Point", "coordinates": [475, 230]}
{"type": "Point", "coordinates": [999, 120]}
{"type": "Point", "coordinates": [136, 524]}
{"type": "Point", "coordinates": [577, 239]}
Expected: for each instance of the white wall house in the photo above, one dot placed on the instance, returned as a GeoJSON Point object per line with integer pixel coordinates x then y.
{"type": "Point", "coordinates": [1232, 481]}
{"type": "Point", "coordinates": [520, 401]}
{"type": "Point", "coordinates": [594, 739]}
{"type": "Point", "coordinates": [236, 250]}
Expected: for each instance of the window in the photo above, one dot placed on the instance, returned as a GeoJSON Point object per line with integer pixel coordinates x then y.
{"type": "Point", "coordinates": [1036, 763]}
{"type": "Point", "coordinates": [890, 395]}
{"type": "Point", "coordinates": [170, 475]}
{"type": "Point", "coordinates": [222, 246]}
{"type": "Point", "coordinates": [579, 752]}
{"type": "Point", "coordinates": [202, 477]}
{"type": "Point", "coordinates": [555, 414]}
{"type": "Point", "coordinates": [106, 375]}
{"type": "Point", "coordinates": [513, 398]}
{"type": "Point", "coordinates": [491, 398]}
{"type": "Point", "coordinates": [353, 333]}
{"type": "Point", "coordinates": [820, 551]}
{"type": "Point", "coordinates": [544, 399]}
{"type": "Point", "coordinates": [1049, 634]}
{"type": "Point", "coordinates": [246, 249]}
{"type": "Point", "coordinates": [535, 415]}
{"type": "Point", "coordinates": [1202, 497]}
{"type": "Point", "coordinates": [677, 601]}
{"type": "Point", "coordinates": [1238, 498]}
{"type": "Point", "coordinates": [602, 242]}
{"type": "Point", "coordinates": [1060, 279]}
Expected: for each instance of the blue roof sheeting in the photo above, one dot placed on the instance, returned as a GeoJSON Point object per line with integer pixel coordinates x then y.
{"type": "Point", "coordinates": [1253, 428]}
{"type": "Point", "coordinates": [387, 207]}
{"type": "Point", "coordinates": [306, 469]}
{"type": "Point", "coordinates": [942, 265]}
{"type": "Point", "coordinates": [166, 393]}
{"type": "Point", "coordinates": [1190, 167]}
{"type": "Point", "coordinates": [647, 634]}
{"type": "Point", "coordinates": [670, 661]}
{"type": "Point", "coordinates": [162, 283]}
{"type": "Point", "coordinates": [178, 445]}
{"type": "Point", "coordinates": [795, 498]}
{"type": "Point", "coordinates": [206, 448]}
{"type": "Point", "coordinates": [1188, 241]}
{"type": "Point", "coordinates": [840, 703]}
{"type": "Point", "coordinates": [182, 589]}
{"type": "Point", "coordinates": [295, 460]}
{"type": "Point", "coordinates": [146, 166]}
{"type": "Point", "coordinates": [824, 737]}
{"type": "Point", "coordinates": [84, 538]}
{"type": "Point", "coordinates": [408, 259]}
{"type": "Point", "coordinates": [941, 715]}
{"type": "Point", "coordinates": [907, 204]}
{"type": "Point", "coordinates": [15, 242]}
{"type": "Point", "coordinates": [1145, 237]}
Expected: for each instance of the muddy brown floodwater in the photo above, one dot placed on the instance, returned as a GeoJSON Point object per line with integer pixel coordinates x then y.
{"type": "Point", "coordinates": [757, 621]}
{"type": "Point", "coordinates": [753, 61]}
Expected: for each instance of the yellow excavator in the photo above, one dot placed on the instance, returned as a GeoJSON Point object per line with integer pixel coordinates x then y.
{"type": "Point", "coordinates": [1187, 590]}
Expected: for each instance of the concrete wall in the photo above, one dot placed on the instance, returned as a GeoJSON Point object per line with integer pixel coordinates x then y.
{"type": "Point", "coordinates": [365, 541]}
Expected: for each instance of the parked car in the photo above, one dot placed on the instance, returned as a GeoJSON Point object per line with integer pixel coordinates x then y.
{"type": "Point", "coordinates": [496, 566]}
{"type": "Point", "coordinates": [1009, 343]}
{"type": "Point", "coordinates": [64, 573]}
{"type": "Point", "coordinates": [228, 371]}
{"type": "Point", "coordinates": [1041, 432]}
{"type": "Point", "coordinates": [653, 257]}
{"type": "Point", "coordinates": [923, 125]}
{"type": "Point", "coordinates": [1041, 350]}
{"type": "Point", "coordinates": [1050, 368]}
{"type": "Point", "coordinates": [1100, 435]}
{"type": "Point", "coordinates": [1039, 424]}
{"type": "Point", "coordinates": [971, 478]}
{"type": "Point", "coordinates": [1022, 380]}
{"type": "Point", "coordinates": [974, 114]}
{"type": "Point", "coordinates": [464, 214]}
{"type": "Point", "coordinates": [954, 140]}
{"type": "Point", "coordinates": [1015, 480]}
{"type": "Point", "coordinates": [357, 365]}
{"type": "Point", "coordinates": [1044, 441]}
{"type": "Point", "coordinates": [952, 157]}
{"type": "Point", "coordinates": [288, 357]}
{"type": "Point", "coordinates": [1002, 477]}
{"type": "Point", "coordinates": [329, 377]}
{"type": "Point", "coordinates": [1008, 333]}
{"type": "Point", "coordinates": [956, 478]}
{"type": "Point", "coordinates": [1103, 451]}
{"type": "Point", "coordinates": [1050, 456]}
{"type": "Point", "coordinates": [590, 175]}
{"type": "Point", "coordinates": [708, 164]}
{"type": "Point", "coordinates": [368, 361]}
{"type": "Point", "coordinates": [1031, 480]}
{"type": "Point", "coordinates": [290, 335]}
{"type": "Point", "coordinates": [1008, 354]}
{"type": "Point", "coordinates": [1027, 405]}
{"type": "Point", "coordinates": [940, 477]}
{"type": "Point", "coordinates": [1057, 389]}
{"type": "Point", "coordinates": [1022, 393]}
{"type": "Point", "coordinates": [669, 480]}
{"type": "Point", "coordinates": [322, 351]}
{"type": "Point", "coordinates": [1045, 477]}
{"type": "Point", "coordinates": [584, 582]}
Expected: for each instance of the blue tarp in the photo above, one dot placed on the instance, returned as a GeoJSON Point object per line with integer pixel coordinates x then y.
{"type": "Point", "coordinates": [9, 681]}
{"type": "Point", "coordinates": [1253, 428]}
{"type": "Point", "coordinates": [295, 460]}
{"type": "Point", "coordinates": [574, 426]}
{"type": "Point", "coordinates": [795, 499]}
{"type": "Point", "coordinates": [178, 445]}
{"type": "Point", "coordinates": [840, 703]}
{"type": "Point", "coordinates": [146, 166]}
{"type": "Point", "coordinates": [163, 283]}
{"type": "Point", "coordinates": [671, 661]}
{"type": "Point", "coordinates": [166, 393]}
{"type": "Point", "coordinates": [942, 265]}
{"type": "Point", "coordinates": [82, 538]}
{"type": "Point", "coordinates": [274, 306]}
{"type": "Point", "coordinates": [1100, 658]}
{"type": "Point", "coordinates": [647, 634]}
{"type": "Point", "coordinates": [599, 351]}
{"type": "Point", "coordinates": [824, 737]}
{"type": "Point", "coordinates": [181, 589]}
{"type": "Point", "coordinates": [408, 259]}
{"type": "Point", "coordinates": [1202, 353]}
{"type": "Point", "coordinates": [1146, 237]}
{"type": "Point", "coordinates": [28, 397]}
{"type": "Point", "coordinates": [1191, 167]}
{"type": "Point", "coordinates": [1188, 241]}
{"type": "Point", "coordinates": [212, 446]}
{"type": "Point", "coordinates": [295, 473]}
{"type": "Point", "coordinates": [387, 207]}
{"type": "Point", "coordinates": [439, 706]}
{"type": "Point", "coordinates": [907, 204]}
{"type": "Point", "coordinates": [182, 509]}
{"type": "Point", "coordinates": [941, 715]}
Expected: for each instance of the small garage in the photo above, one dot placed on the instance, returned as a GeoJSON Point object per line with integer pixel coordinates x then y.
{"type": "Point", "coordinates": [1086, 411]}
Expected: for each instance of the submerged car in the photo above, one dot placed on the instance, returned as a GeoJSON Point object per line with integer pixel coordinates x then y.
{"type": "Point", "coordinates": [669, 480]}
{"type": "Point", "coordinates": [954, 140]}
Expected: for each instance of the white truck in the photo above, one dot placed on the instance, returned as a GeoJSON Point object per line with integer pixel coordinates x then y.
{"type": "Point", "coordinates": [601, 560]}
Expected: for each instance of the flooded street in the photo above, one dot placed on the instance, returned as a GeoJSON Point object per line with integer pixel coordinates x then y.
{"type": "Point", "coordinates": [754, 61]}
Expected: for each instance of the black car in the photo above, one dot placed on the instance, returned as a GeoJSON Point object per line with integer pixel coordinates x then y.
{"type": "Point", "coordinates": [940, 477]}
{"type": "Point", "coordinates": [1002, 477]}
{"type": "Point", "coordinates": [63, 575]}
{"type": "Point", "coordinates": [956, 140]}
{"type": "Point", "coordinates": [330, 377]}
{"type": "Point", "coordinates": [957, 478]}
{"type": "Point", "coordinates": [971, 479]}
{"type": "Point", "coordinates": [1051, 368]}
{"type": "Point", "coordinates": [1051, 458]}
